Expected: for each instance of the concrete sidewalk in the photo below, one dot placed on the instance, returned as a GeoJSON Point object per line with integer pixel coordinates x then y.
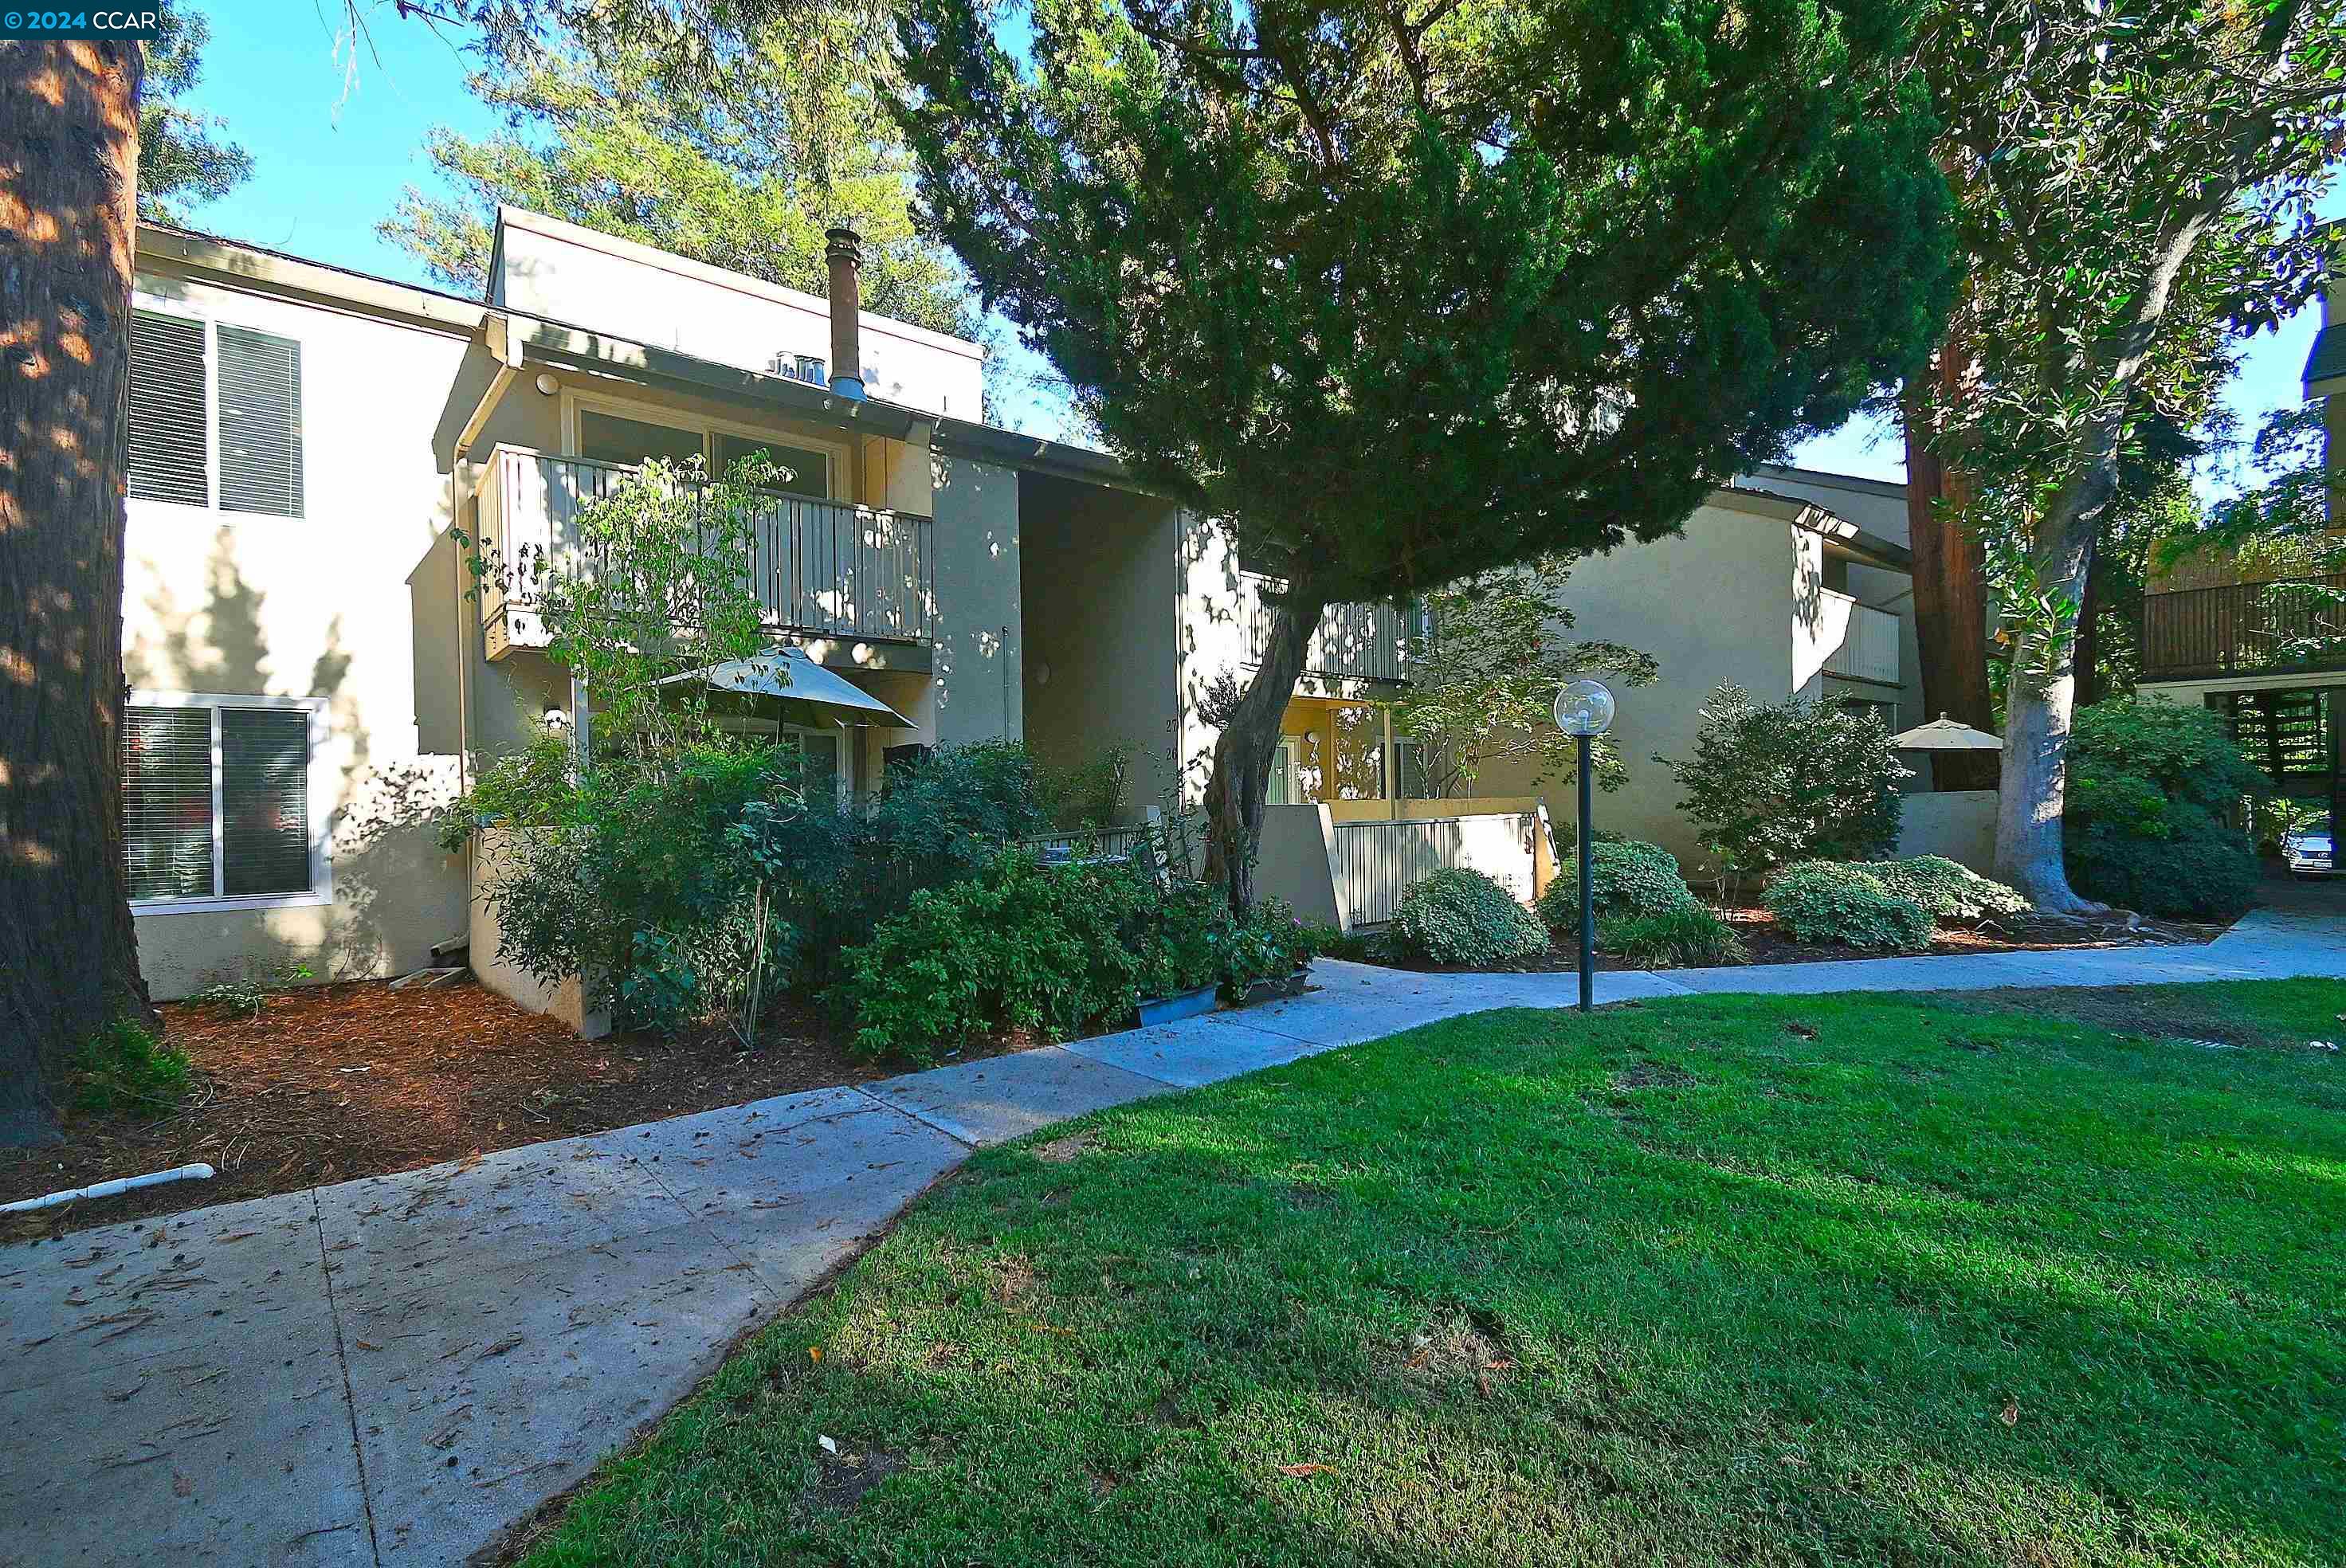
{"type": "Point", "coordinates": [393, 1371]}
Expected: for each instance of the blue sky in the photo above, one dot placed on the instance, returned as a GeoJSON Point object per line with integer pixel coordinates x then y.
{"type": "Point", "coordinates": [333, 143]}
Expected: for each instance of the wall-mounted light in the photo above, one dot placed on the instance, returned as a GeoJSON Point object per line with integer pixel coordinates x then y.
{"type": "Point", "coordinates": [1042, 672]}
{"type": "Point", "coordinates": [547, 384]}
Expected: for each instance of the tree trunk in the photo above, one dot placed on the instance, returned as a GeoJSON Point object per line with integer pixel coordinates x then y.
{"type": "Point", "coordinates": [1950, 588]}
{"type": "Point", "coordinates": [2040, 695]}
{"type": "Point", "coordinates": [68, 187]}
{"type": "Point", "coordinates": [1249, 740]}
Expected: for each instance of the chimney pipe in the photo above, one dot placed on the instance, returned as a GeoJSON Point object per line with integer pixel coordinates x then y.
{"type": "Point", "coordinates": [844, 252]}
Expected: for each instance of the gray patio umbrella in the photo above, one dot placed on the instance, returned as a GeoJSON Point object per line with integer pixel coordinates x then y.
{"type": "Point", "coordinates": [1943, 734]}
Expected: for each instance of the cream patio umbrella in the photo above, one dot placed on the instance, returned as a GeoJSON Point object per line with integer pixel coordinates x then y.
{"type": "Point", "coordinates": [1943, 734]}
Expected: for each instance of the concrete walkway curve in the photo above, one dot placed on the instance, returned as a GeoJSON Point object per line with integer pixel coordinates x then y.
{"type": "Point", "coordinates": [393, 1371]}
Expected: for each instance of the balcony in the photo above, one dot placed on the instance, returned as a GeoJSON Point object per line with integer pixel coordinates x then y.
{"type": "Point", "coordinates": [822, 568]}
{"type": "Point", "coordinates": [1861, 643]}
{"type": "Point", "coordinates": [1354, 642]}
{"type": "Point", "coordinates": [2245, 628]}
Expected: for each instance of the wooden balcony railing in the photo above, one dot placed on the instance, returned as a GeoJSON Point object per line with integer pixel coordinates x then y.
{"type": "Point", "coordinates": [2245, 628]}
{"type": "Point", "coordinates": [822, 568]}
{"type": "Point", "coordinates": [1357, 642]}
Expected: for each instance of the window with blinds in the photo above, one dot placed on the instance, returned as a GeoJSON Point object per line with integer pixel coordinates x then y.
{"type": "Point", "coordinates": [215, 415]}
{"type": "Point", "coordinates": [216, 800]}
{"type": "Point", "coordinates": [170, 410]}
{"type": "Point", "coordinates": [259, 422]}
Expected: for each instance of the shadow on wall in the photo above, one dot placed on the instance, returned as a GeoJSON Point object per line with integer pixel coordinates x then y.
{"type": "Point", "coordinates": [388, 871]}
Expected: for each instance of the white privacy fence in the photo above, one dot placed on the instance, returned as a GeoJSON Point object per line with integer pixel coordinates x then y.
{"type": "Point", "coordinates": [1374, 863]}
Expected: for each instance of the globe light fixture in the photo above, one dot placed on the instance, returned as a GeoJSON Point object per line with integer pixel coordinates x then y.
{"type": "Point", "coordinates": [1584, 710]}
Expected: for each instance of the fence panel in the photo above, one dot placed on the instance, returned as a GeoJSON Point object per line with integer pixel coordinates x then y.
{"type": "Point", "coordinates": [1376, 862]}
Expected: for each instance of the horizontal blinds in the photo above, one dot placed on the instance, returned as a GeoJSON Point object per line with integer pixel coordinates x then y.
{"type": "Point", "coordinates": [259, 422]}
{"type": "Point", "coordinates": [265, 800]}
{"type": "Point", "coordinates": [166, 801]}
{"type": "Point", "coordinates": [168, 410]}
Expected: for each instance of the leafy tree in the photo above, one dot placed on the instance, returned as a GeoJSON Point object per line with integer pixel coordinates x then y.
{"type": "Point", "coordinates": [2135, 180]}
{"type": "Point", "coordinates": [1407, 292]}
{"type": "Point", "coordinates": [743, 170]}
{"type": "Point", "coordinates": [1801, 781]}
{"type": "Point", "coordinates": [182, 160]}
{"type": "Point", "coordinates": [1483, 687]}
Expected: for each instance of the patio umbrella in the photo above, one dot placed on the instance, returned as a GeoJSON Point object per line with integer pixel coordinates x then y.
{"type": "Point", "coordinates": [788, 673]}
{"type": "Point", "coordinates": [1943, 734]}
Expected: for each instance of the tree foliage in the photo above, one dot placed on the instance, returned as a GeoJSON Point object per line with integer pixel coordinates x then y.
{"type": "Point", "coordinates": [1483, 684]}
{"type": "Point", "coordinates": [2153, 785]}
{"type": "Point", "coordinates": [1800, 780]}
{"type": "Point", "coordinates": [1407, 293]}
{"type": "Point", "coordinates": [183, 158]}
{"type": "Point", "coordinates": [2137, 184]}
{"type": "Point", "coordinates": [742, 169]}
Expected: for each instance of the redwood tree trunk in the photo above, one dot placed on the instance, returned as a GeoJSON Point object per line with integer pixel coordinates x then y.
{"type": "Point", "coordinates": [1250, 739]}
{"type": "Point", "coordinates": [1950, 590]}
{"type": "Point", "coordinates": [68, 190]}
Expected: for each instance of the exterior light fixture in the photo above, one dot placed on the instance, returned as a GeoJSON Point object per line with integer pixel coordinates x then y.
{"type": "Point", "coordinates": [1584, 710]}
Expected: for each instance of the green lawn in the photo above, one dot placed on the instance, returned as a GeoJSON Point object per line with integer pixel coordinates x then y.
{"type": "Point", "coordinates": [1845, 1279]}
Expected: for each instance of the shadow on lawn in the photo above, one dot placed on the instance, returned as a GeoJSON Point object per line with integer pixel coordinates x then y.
{"type": "Point", "coordinates": [1505, 1297]}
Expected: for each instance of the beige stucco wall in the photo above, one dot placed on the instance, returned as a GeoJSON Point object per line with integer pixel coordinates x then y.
{"type": "Point", "coordinates": [1100, 600]}
{"type": "Point", "coordinates": [978, 673]}
{"type": "Point", "coordinates": [1292, 862]}
{"type": "Point", "coordinates": [572, 275]}
{"type": "Point", "coordinates": [1959, 824]}
{"type": "Point", "coordinates": [1711, 604]}
{"type": "Point", "coordinates": [244, 605]}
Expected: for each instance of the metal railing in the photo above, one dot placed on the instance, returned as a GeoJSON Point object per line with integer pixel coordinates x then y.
{"type": "Point", "coordinates": [1868, 649]}
{"type": "Point", "coordinates": [1358, 642]}
{"type": "Point", "coordinates": [2245, 627]}
{"type": "Point", "coordinates": [821, 567]}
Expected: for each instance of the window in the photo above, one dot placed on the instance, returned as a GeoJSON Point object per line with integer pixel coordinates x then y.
{"type": "Point", "coordinates": [216, 798]}
{"type": "Point", "coordinates": [1409, 767]}
{"type": "Point", "coordinates": [215, 415]}
{"type": "Point", "coordinates": [802, 470]}
{"type": "Point", "coordinates": [608, 438]}
{"type": "Point", "coordinates": [822, 755]}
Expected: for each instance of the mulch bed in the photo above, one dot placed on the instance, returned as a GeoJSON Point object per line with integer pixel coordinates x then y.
{"type": "Point", "coordinates": [1766, 944]}
{"type": "Point", "coordinates": [334, 1082]}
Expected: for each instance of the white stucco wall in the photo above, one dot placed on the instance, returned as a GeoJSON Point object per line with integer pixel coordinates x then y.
{"type": "Point", "coordinates": [245, 605]}
{"type": "Point", "coordinates": [1959, 824]}
{"type": "Point", "coordinates": [565, 273]}
{"type": "Point", "coordinates": [1711, 604]}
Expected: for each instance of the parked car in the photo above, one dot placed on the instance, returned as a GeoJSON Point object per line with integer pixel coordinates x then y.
{"type": "Point", "coordinates": [2309, 851]}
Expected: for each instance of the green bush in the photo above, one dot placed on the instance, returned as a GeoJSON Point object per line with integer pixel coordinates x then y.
{"type": "Point", "coordinates": [1802, 781]}
{"type": "Point", "coordinates": [1461, 916]}
{"type": "Point", "coordinates": [125, 1068]}
{"type": "Point", "coordinates": [1950, 891]}
{"type": "Point", "coordinates": [1054, 949]}
{"type": "Point", "coordinates": [1351, 946]}
{"type": "Point", "coordinates": [1826, 900]}
{"type": "Point", "coordinates": [2149, 786]}
{"type": "Point", "coordinates": [1626, 877]}
{"type": "Point", "coordinates": [1689, 936]}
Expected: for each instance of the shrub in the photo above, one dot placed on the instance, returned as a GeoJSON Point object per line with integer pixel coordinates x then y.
{"type": "Point", "coordinates": [1351, 946]}
{"type": "Point", "coordinates": [1689, 936]}
{"type": "Point", "coordinates": [1461, 916]}
{"type": "Point", "coordinates": [1948, 891]}
{"type": "Point", "coordinates": [1054, 949]}
{"type": "Point", "coordinates": [246, 996]}
{"type": "Point", "coordinates": [1626, 877]}
{"type": "Point", "coordinates": [1802, 781]}
{"type": "Point", "coordinates": [125, 1067]}
{"type": "Point", "coordinates": [2148, 787]}
{"type": "Point", "coordinates": [1824, 901]}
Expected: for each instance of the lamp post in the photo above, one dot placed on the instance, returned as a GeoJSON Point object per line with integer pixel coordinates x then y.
{"type": "Point", "coordinates": [1584, 710]}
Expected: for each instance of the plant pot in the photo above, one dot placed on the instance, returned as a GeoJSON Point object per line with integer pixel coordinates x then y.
{"type": "Point", "coordinates": [1276, 987]}
{"type": "Point", "coordinates": [1185, 1005]}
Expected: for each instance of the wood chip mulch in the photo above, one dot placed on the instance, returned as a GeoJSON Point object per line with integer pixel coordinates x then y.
{"type": "Point", "coordinates": [334, 1082]}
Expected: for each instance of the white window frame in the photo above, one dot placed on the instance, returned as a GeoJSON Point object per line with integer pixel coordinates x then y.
{"type": "Point", "coordinates": [846, 752]}
{"type": "Point", "coordinates": [575, 402]}
{"type": "Point", "coordinates": [320, 781]}
{"type": "Point", "coordinates": [186, 310]}
{"type": "Point", "coordinates": [1287, 767]}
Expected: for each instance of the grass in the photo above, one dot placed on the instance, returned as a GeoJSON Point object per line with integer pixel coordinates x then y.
{"type": "Point", "coordinates": [1916, 1280]}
